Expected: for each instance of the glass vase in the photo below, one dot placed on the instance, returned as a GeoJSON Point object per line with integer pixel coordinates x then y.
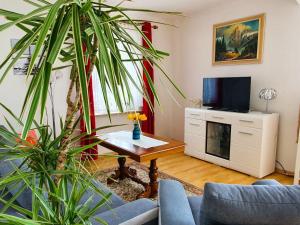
{"type": "Point", "coordinates": [136, 133]}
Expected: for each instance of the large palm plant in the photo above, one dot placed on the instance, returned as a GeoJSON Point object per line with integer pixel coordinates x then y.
{"type": "Point", "coordinates": [32, 166]}
{"type": "Point", "coordinates": [73, 32]}
{"type": "Point", "coordinates": [69, 33]}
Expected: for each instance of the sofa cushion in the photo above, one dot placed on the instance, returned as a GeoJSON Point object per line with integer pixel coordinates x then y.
{"type": "Point", "coordinates": [126, 212]}
{"type": "Point", "coordinates": [2, 140]}
{"type": "Point", "coordinates": [267, 182]}
{"type": "Point", "coordinates": [6, 196]}
{"type": "Point", "coordinates": [147, 218]}
{"type": "Point", "coordinates": [250, 205]}
{"type": "Point", "coordinates": [113, 202]}
{"type": "Point", "coordinates": [8, 167]}
{"type": "Point", "coordinates": [173, 204]}
{"type": "Point", "coordinates": [25, 198]}
{"type": "Point", "coordinates": [195, 204]}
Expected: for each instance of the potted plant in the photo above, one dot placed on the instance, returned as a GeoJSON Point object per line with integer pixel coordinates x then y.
{"type": "Point", "coordinates": [68, 33]}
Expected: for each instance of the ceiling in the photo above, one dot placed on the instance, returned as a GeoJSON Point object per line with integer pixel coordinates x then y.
{"type": "Point", "coordinates": [168, 5]}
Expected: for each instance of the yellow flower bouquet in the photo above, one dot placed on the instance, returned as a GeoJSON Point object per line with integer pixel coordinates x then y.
{"type": "Point", "coordinates": [137, 117]}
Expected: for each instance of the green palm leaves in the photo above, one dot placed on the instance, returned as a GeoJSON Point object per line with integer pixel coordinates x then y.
{"type": "Point", "coordinates": [81, 34]}
{"type": "Point", "coordinates": [33, 167]}
{"type": "Point", "coordinates": [73, 32]}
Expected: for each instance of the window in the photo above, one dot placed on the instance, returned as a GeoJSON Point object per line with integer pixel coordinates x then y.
{"type": "Point", "coordinates": [100, 108]}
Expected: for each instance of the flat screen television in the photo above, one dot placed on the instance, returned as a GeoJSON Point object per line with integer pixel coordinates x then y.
{"type": "Point", "coordinates": [227, 94]}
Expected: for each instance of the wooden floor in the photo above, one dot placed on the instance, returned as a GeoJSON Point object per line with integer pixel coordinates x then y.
{"type": "Point", "coordinates": [195, 171]}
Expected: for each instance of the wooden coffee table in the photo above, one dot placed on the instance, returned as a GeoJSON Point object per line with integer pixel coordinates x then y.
{"type": "Point", "coordinates": [125, 146]}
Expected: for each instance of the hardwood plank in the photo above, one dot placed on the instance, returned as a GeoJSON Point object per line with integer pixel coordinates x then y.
{"type": "Point", "coordinates": [194, 171]}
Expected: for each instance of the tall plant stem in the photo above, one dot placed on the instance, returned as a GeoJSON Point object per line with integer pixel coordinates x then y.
{"type": "Point", "coordinates": [73, 109]}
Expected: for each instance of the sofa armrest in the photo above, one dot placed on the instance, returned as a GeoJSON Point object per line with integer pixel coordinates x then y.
{"type": "Point", "coordinates": [267, 182]}
{"type": "Point", "coordinates": [131, 213]}
{"type": "Point", "coordinates": [147, 218]}
{"type": "Point", "coordinates": [174, 207]}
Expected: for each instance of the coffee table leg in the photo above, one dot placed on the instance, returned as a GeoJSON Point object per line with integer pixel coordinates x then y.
{"type": "Point", "coordinates": [122, 168]}
{"type": "Point", "coordinates": [122, 172]}
{"type": "Point", "coordinates": [153, 178]}
{"type": "Point", "coordinates": [151, 188]}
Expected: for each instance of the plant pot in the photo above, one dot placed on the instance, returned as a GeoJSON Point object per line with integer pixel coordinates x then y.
{"type": "Point", "coordinates": [136, 133]}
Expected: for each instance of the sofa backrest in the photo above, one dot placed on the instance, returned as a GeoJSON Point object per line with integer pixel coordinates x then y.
{"type": "Point", "coordinates": [250, 205]}
{"type": "Point", "coordinates": [25, 198]}
{"type": "Point", "coordinates": [7, 167]}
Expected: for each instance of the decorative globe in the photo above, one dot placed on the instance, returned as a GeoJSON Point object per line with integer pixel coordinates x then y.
{"type": "Point", "coordinates": [267, 94]}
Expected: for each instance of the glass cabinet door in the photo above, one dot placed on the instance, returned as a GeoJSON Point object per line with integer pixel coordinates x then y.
{"type": "Point", "coordinates": [218, 139]}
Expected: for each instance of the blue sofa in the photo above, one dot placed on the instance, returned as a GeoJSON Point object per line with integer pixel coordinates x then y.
{"type": "Point", "coordinates": [263, 203]}
{"type": "Point", "coordinates": [116, 211]}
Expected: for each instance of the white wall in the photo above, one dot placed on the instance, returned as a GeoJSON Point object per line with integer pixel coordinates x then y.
{"type": "Point", "coordinates": [14, 87]}
{"type": "Point", "coordinates": [280, 68]}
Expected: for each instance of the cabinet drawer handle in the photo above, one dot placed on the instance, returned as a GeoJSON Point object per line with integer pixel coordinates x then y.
{"type": "Point", "coordinates": [218, 117]}
{"type": "Point", "coordinates": [247, 121]}
{"type": "Point", "coordinates": [195, 125]}
{"type": "Point", "coordinates": [193, 114]}
{"type": "Point", "coordinates": [241, 132]}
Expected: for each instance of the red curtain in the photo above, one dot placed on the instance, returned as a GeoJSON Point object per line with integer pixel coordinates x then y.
{"type": "Point", "coordinates": [92, 152]}
{"type": "Point", "coordinates": [148, 125]}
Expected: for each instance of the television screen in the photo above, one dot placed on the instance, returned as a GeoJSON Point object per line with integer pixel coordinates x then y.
{"type": "Point", "coordinates": [229, 94]}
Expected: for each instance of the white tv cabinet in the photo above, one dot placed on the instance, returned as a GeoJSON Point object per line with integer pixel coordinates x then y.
{"type": "Point", "coordinates": [253, 139]}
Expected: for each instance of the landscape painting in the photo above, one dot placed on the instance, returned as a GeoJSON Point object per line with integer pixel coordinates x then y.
{"type": "Point", "coordinates": [239, 41]}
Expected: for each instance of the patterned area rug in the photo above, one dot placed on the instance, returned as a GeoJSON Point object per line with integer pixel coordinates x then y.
{"type": "Point", "coordinates": [129, 189]}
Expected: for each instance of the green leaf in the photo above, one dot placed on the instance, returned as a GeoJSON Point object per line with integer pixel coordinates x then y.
{"type": "Point", "coordinates": [18, 220]}
{"type": "Point", "coordinates": [105, 56]}
{"type": "Point", "coordinates": [12, 199]}
{"type": "Point", "coordinates": [89, 31]}
{"type": "Point", "coordinates": [103, 81]}
{"type": "Point", "coordinates": [45, 2]}
{"type": "Point", "coordinates": [11, 113]}
{"type": "Point", "coordinates": [49, 21]}
{"type": "Point", "coordinates": [101, 221]}
{"type": "Point", "coordinates": [44, 203]}
{"type": "Point", "coordinates": [32, 87]}
{"type": "Point", "coordinates": [33, 3]}
{"type": "Point", "coordinates": [16, 48]}
{"type": "Point", "coordinates": [81, 67]}
{"type": "Point", "coordinates": [77, 150]}
{"type": "Point", "coordinates": [19, 55]}
{"type": "Point", "coordinates": [60, 39]}
{"type": "Point", "coordinates": [23, 18]}
{"type": "Point", "coordinates": [87, 6]}
{"type": "Point", "coordinates": [170, 80]}
{"type": "Point", "coordinates": [48, 66]}
{"type": "Point", "coordinates": [34, 105]}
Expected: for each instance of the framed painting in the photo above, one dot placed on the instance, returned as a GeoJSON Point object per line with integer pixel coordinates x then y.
{"type": "Point", "coordinates": [21, 66]}
{"type": "Point", "coordinates": [239, 41]}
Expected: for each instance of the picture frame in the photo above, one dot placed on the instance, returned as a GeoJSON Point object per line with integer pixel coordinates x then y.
{"type": "Point", "coordinates": [239, 41]}
{"type": "Point", "coordinates": [21, 66]}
